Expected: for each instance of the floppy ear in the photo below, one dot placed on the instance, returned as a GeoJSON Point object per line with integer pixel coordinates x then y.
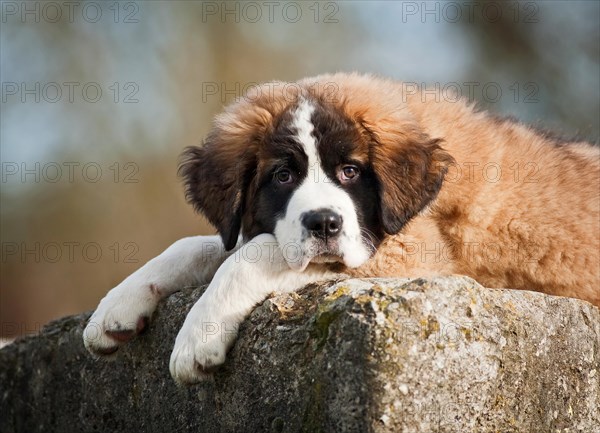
{"type": "Point", "coordinates": [410, 173]}
{"type": "Point", "coordinates": [216, 178]}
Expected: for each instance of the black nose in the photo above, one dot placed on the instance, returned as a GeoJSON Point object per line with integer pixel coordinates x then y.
{"type": "Point", "coordinates": [322, 223]}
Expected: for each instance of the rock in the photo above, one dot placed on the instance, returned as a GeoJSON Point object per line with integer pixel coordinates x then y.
{"type": "Point", "coordinates": [382, 355]}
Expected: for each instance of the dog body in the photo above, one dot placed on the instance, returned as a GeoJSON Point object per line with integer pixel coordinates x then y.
{"type": "Point", "coordinates": [355, 175]}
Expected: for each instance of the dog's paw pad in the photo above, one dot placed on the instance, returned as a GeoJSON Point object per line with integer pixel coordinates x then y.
{"type": "Point", "coordinates": [104, 351]}
{"type": "Point", "coordinates": [207, 369]}
{"type": "Point", "coordinates": [124, 335]}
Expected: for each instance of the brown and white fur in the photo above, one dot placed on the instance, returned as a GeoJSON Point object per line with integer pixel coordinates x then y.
{"type": "Point", "coordinates": [351, 174]}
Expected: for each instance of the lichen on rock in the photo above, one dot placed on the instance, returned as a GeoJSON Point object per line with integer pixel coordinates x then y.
{"type": "Point", "coordinates": [381, 355]}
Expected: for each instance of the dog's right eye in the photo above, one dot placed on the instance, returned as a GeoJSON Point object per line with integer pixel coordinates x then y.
{"type": "Point", "coordinates": [284, 176]}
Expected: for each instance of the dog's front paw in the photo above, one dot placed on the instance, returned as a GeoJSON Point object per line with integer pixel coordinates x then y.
{"type": "Point", "coordinates": [200, 348]}
{"type": "Point", "coordinates": [122, 314]}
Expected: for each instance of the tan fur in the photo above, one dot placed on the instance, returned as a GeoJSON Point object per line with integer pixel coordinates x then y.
{"type": "Point", "coordinates": [536, 227]}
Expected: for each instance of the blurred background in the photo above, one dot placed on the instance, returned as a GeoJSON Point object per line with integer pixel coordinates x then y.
{"type": "Point", "coordinates": [99, 99]}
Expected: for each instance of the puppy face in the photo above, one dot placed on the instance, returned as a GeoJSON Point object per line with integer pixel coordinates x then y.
{"type": "Point", "coordinates": [313, 192]}
{"type": "Point", "coordinates": [320, 176]}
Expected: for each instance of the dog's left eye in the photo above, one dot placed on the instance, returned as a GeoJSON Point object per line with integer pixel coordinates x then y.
{"type": "Point", "coordinates": [284, 176]}
{"type": "Point", "coordinates": [348, 173]}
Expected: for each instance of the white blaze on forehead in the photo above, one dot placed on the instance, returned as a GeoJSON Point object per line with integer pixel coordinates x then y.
{"type": "Point", "coordinates": [304, 128]}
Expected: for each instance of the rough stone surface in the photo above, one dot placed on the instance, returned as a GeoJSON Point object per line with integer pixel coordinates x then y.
{"type": "Point", "coordinates": [382, 355]}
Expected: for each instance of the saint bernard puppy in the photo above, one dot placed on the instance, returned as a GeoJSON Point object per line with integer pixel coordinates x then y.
{"type": "Point", "coordinates": [355, 175]}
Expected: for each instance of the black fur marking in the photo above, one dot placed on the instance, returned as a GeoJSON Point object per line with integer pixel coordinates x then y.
{"type": "Point", "coordinates": [280, 149]}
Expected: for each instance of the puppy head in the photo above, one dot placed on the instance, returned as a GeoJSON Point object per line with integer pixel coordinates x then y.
{"type": "Point", "coordinates": [328, 174]}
